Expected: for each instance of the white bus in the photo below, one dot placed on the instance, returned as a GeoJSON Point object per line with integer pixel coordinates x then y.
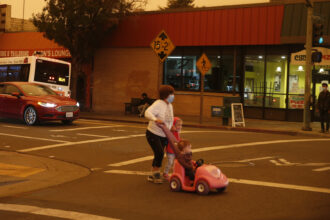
{"type": "Point", "coordinates": [51, 72]}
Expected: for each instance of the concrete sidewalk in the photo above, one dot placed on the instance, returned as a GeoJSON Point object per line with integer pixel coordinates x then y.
{"type": "Point", "coordinates": [251, 125]}
{"type": "Point", "coordinates": [20, 173]}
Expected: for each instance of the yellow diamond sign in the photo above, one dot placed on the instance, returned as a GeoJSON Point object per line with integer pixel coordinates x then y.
{"type": "Point", "coordinates": [162, 45]}
{"type": "Point", "coordinates": [203, 64]}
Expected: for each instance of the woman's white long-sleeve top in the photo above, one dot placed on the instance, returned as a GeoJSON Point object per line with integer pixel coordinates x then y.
{"type": "Point", "coordinates": [162, 111]}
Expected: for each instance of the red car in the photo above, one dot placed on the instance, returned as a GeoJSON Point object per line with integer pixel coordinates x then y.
{"type": "Point", "coordinates": [33, 103]}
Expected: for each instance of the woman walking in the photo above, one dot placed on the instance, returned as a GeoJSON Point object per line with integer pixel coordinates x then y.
{"type": "Point", "coordinates": [160, 112]}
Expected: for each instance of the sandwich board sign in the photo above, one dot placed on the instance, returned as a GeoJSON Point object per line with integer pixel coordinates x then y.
{"type": "Point", "coordinates": [237, 115]}
{"type": "Point", "coordinates": [162, 46]}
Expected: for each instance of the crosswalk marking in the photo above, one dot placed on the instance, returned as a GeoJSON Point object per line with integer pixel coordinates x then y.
{"type": "Point", "coordinates": [322, 169]}
{"type": "Point", "coordinates": [18, 171]}
{"type": "Point", "coordinates": [282, 162]}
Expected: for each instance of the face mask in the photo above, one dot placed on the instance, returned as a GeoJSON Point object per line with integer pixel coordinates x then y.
{"type": "Point", "coordinates": [170, 98]}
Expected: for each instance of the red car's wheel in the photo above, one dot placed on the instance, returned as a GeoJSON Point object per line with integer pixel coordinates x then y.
{"type": "Point", "coordinates": [175, 184]}
{"type": "Point", "coordinates": [202, 187]}
{"type": "Point", "coordinates": [30, 116]}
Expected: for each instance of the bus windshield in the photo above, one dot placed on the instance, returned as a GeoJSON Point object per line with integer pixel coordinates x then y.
{"type": "Point", "coordinates": [51, 72]}
{"type": "Point", "coordinates": [37, 90]}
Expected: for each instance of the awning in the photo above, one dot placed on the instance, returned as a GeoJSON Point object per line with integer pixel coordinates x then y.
{"type": "Point", "coordinates": [253, 25]}
{"type": "Point", "coordinates": [28, 43]}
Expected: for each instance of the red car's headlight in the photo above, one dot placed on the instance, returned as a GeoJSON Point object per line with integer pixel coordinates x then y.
{"type": "Point", "coordinates": [47, 105]}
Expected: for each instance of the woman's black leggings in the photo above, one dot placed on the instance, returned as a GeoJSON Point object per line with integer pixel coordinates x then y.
{"type": "Point", "coordinates": [157, 145]}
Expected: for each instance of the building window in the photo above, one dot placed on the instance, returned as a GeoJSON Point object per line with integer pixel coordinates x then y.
{"type": "Point", "coordinates": [181, 72]}
{"type": "Point", "coordinates": [276, 81]}
{"type": "Point", "coordinates": [296, 87]}
{"type": "Point", "coordinates": [254, 80]}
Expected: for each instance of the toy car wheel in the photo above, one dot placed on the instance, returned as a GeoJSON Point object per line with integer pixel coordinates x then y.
{"type": "Point", "coordinates": [30, 116]}
{"type": "Point", "coordinates": [175, 184]}
{"type": "Point", "coordinates": [202, 188]}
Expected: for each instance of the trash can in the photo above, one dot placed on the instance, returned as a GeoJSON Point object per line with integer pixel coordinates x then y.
{"type": "Point", "coordinates": [226, 115]}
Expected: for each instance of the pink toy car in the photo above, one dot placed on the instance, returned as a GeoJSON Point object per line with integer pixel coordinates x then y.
{"type": "Point", "coordinates": [207, 178]}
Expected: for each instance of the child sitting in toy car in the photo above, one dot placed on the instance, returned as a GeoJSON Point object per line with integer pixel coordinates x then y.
{"type": "Point", "coordinates": [182, 151]}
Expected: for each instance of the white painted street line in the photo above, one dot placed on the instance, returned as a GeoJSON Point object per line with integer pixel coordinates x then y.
{"type": "Point", "coordinates": [212, 131]}
{"type": "Point", "coordinates": [7, 146]}
{"type": "Point", "coordinates": [255, 159]}
{"type": "Point", "coordinates": [129, 172]}
{"type": "Point", "coordinates": [9, 126]}
{"type": "Point", "coordinates": [119, 130]}
{"type": "Point", "coordinates": [241, 181]}
{"type": "Point", "coordinates": [322, 169]}
{"type": "Point", "coordinates": [80, 142]}
{"type": "Point", "coordinates": [222, 147]}
{"type": "Point", "coordinates": [128, 162]}
{"type": "Point", "coordinates": [51, 212]}
{"type": "Point", "coordinates": [275, 162]}
{"type": "Point", "coordinates": [33, 138]}
{"type": "Point", "coordinates": [85, 128]}
{"type": "Point", "coordinates": [58, 136]}
{"type": "Point", "coordinates": [92, 135]}
{"type": "Point", "coordinates": [281, 185]}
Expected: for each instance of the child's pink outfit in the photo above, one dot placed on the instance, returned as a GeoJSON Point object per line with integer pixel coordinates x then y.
{"type": "Point", "coordinates": [169, 151]}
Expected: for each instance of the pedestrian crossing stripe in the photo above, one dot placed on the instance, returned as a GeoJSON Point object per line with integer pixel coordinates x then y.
{"type": "Point", "coordinates": [18, 171]}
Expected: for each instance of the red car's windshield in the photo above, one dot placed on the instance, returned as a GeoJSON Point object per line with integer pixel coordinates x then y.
{"type": "Point", "coordinates": [37, 90]}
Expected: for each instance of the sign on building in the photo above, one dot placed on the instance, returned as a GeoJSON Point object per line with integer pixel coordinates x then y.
{"type": "Point", "coordinates": [162, 46]}
{"type": "Point", "coordinates": [237, 114]}
{"type": "Point", "coordinates": [299, 58]}
{"type": "Point", "coordinates": [203, 64]}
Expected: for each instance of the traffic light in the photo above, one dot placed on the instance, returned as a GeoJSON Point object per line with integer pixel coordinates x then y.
{"type": "Point", "coordinates": [317, 57]}
{"type": "Point", "coordinates": [317, 33]}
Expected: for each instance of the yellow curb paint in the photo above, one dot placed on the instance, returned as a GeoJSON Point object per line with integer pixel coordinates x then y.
{"type": "Point", "coordinates": [18, 171]}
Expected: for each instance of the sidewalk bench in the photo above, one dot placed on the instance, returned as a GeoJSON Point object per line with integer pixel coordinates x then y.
{"type": "Point", "coordinates": [132, 107]}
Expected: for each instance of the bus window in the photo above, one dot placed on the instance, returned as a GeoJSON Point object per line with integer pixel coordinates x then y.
{"type": "Point", "coordinates": [13, 73]}
{"type": "Point", "coordinates": [3, 73]}
{"type": "Point", "coordinates": [51, 72]}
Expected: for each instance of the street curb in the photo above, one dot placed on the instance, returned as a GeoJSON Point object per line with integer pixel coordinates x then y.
{"type": "Point", "coordinates": [255, 130]}
{"type": "Point", "coordinates": [51, 177]}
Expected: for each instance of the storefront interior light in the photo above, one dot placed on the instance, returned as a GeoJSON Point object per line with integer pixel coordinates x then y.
{"type": "Point", "coordinates": [219, 57]}
{"type": "Point", "coordinates": [174, 57]}
{"type": "Point", "coordinates": [283, 57]}
{"type": "Point", "coordinates": [260, 57]}
{"type": "Point", "coordinates": [300, 68]}
{"type": "Point", "coordinates": [278, 69]}
{"type": "Point", "coordinates": [321, 70]}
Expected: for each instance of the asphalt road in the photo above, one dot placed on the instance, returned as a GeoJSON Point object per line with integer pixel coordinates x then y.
{"type": "Point", "coordinates": [271, 176]}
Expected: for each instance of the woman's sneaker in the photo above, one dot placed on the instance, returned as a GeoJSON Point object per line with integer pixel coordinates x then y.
{"type": "Point", "coordinates": [155, 178]}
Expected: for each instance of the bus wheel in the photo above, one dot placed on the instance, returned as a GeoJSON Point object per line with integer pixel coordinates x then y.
{"type": "Point", "coordinates": [67, 122]}
{"type": "Point", "coordinates": [30, 116]}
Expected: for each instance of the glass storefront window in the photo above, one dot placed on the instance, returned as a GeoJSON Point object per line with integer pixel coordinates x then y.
{"type": "Point", "coordinates": [220, 77]}
{"type": "Point", "coordinates": [296, 87]}
{"type": "Point", "coordinates": [276, 81]}
{"type": "Point", "coordinates": [254, 80]}
{"type": "Point", "coordinates": [181, 72]}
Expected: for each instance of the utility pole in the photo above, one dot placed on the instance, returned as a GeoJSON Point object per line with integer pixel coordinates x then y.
{"type": "Point", "coordinates": [23, 15]}
{"type": "Point", "coordinates": [308, 66]}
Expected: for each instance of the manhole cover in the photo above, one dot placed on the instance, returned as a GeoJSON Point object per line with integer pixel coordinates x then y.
{"type": "Point", "coordinates": [233, 164]}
